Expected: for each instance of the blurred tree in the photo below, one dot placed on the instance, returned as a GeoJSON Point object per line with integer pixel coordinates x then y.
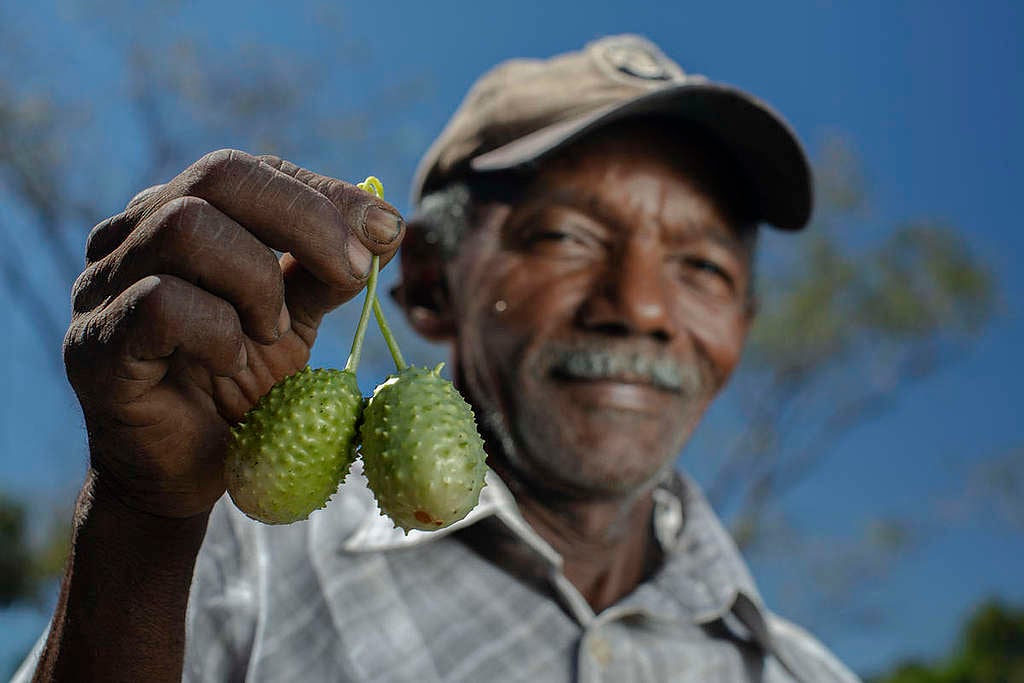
{"type": "Point", "coordinates": [15, 579]}
{"type": "Point", "coordinates": [995, 488]}
{"type": "Point", "coordinates": [26, 563]}
{"type": "Point", "coordinates": [839, 331]}
{"type": "Point", "coordinates": [990, 650]}
{"type": "Point", "coordinates": [850, 315]}
{"type": "Point", "coordinates": [182, 98]}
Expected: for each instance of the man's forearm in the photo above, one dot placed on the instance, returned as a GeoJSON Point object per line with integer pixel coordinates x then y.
{"type": "Point", "coordinates": [121, 612]}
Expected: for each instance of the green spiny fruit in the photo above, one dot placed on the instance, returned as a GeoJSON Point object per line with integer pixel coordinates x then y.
{"type": "Point", "coordinates": [295, 446]}
{"type": "Point", "coordinates": [422, 455]}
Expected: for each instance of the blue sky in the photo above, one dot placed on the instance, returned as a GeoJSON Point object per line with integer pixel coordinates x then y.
{"type": "Point", "coordinates": [929, 94]}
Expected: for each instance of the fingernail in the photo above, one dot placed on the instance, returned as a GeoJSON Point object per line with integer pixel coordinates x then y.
{"type": "Point", "coordinates": [284, 322]}
{"type": "Point", "coordinates": [382, 226]}
{"type": "Point", "coordinates": [359, 258]}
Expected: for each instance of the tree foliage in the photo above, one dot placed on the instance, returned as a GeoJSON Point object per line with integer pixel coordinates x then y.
{"type": "Point", "coordinates": [990, 650]}
{"type": "Point", "coordinates": [851, 313]}
{"type": "Point", "coordinates": [28, 563]}
{"type": "Point", "coordinates": [841, 330]}
{"type": "Point", "coordinates": [181, 97]}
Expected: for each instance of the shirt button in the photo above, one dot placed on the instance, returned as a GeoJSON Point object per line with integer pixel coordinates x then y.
{"type": "Point", "coordinates": [601, 650]}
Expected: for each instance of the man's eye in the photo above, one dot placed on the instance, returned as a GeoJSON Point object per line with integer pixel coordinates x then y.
{"type": "Point", "coordinates": [706, 266]}
{"type": "Point", "coordinates": [707, 276]}
{"type": "Point", "coordinates": [559, 241]}
{"type": "Point", "coordinates": [551, 236]}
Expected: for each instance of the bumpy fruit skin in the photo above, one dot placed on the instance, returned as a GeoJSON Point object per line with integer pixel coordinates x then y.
{"type": "Point", "coordinates": [293, 448]}
{"type": "Point", "coordinates": [422, 455]}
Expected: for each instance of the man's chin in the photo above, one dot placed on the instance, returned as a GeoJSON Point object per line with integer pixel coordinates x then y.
{"type": "Point", "coordinates": [592, 485]}
{"type": "Point", "coordinates": [619, 468]}
{"type": "Point", "coordinates": [596, 440]}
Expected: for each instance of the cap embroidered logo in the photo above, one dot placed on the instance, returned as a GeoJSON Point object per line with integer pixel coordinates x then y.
{"type": "Point", "coordinates": [637, 62]}
{"type": "Point", "coordinates": [636, 59]}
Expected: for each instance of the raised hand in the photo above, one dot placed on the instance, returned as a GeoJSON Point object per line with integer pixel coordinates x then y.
{"type": "Point", "coordinates": [185, 315]}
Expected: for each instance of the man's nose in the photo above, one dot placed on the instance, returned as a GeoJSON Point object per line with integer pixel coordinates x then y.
{"type": "Point", "coordinates": [629, 297]}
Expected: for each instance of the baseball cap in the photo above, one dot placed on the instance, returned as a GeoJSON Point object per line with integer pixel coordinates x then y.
{"type": "Point", "coordinates": [524, 110]}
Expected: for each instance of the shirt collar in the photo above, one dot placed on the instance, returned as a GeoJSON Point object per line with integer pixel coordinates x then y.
{"type": "Point", "coordinates": [698, 550]}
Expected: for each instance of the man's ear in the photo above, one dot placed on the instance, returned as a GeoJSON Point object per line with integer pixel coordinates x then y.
{"type": "Point", "coordinates": [423, 290]}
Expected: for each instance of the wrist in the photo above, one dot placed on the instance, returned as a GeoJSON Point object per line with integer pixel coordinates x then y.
{"type": "Point", "coordinates": [121, 612]}
{"type": "Point", "coordinates": [102, 513]}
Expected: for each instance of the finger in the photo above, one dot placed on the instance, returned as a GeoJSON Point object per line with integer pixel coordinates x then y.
{"type": "Point", "coordinates": [190, 239]}
{"type": "Point", "coordinates": [285, 213]}
{"type": "Point", "coordinates": [379, 227]}
{"type": "Point", "coordinates": [137, 333]}
{"type": "Point", "coordinates": [109, 234]}
{"type": "Point", "coordinates": [308, 299]}
{"type": "Point", "coordinates": [106, 236]}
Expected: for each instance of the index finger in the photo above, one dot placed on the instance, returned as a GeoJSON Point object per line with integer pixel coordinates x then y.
{"type": "Point", "coordinates": [326, 224]}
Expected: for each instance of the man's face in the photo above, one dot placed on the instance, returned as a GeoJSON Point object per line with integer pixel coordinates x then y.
{"type": "Point", "coordinates": [598, 317]}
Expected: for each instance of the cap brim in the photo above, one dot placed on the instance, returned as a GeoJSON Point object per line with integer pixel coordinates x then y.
{"type": "Point", "coordinates": [760, 140]}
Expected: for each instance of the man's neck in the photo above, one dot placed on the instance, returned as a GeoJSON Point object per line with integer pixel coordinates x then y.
{"type": "Point", "coordinates": [607, 547]}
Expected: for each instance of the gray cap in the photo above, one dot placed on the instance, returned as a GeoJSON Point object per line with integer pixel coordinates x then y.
{"type": "Point", "coordinates": [523, 110]}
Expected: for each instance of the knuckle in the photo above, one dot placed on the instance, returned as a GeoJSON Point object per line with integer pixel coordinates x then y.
{"type": "Point", "coordinates": [214, 166]}
{"type": "Point", "coordinates": [84, 340]}
{"type": "Point", "coordinates": [149, 298]}
{"type": "Point", "coordinates": [217, 160]}
{"type": "Point", "coordinates": [83, 290]}
{"type": "Point", "coordinates": [284, 166]}
{"type": "Point", "coordinates": [72, 351]}
{"type": "Point", "coordinates": [74, 341]}
{"type": "Point", "coordinates": [144, 195]}
{"type": "Point", "coordinates": [351, 201]}
{"type": "Point", "coordinates": [332, 187]}
{"type": "Point", "coordinates": [271, 160]}
{"type": "Point", "coordinates": [178, 223]}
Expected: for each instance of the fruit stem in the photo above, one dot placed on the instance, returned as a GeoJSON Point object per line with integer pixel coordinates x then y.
{"type": "Point", "coordinates": [364, 317]}
{"type": "Point", "coordinates": [389, 338]}
{"type": "Point", "coordinates": [374, 187]}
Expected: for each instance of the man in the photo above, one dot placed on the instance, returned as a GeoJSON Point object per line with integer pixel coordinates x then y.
{"type": "Point", "coordinates": [584, 242]}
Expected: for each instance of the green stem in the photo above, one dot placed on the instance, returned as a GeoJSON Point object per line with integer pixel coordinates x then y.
{"type": "Point", "coordinates": [374, 187]}
{"type": "Point", "coordinates": [389, 338]}
{"type": "Point", "coordinates": [364, 317]}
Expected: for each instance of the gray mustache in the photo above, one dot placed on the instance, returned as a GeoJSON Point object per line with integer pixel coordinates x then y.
{"type": "Point", "coordinates": [589, 363]}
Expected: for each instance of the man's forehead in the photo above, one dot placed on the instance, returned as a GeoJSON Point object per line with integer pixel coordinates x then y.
{"type": "Point", "coordinates": [638, 170]}
{"type": "Point", "coordinates": [677, 219]}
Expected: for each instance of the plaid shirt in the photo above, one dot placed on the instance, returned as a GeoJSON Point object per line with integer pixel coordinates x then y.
{"type": "Point", "coordinates": [347, 597]}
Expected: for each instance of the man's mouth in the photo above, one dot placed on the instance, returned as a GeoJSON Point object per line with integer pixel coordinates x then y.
{"type": "Point", "coordinates": [562, 375]}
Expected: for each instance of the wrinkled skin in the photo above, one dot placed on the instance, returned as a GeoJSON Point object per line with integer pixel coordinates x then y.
{"type": "Point", "coordinates": [592, 321]}
{"type": "Point", "coordinates": [185, 316]}
{"type": "Point", "coordinates": [617, 249]}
